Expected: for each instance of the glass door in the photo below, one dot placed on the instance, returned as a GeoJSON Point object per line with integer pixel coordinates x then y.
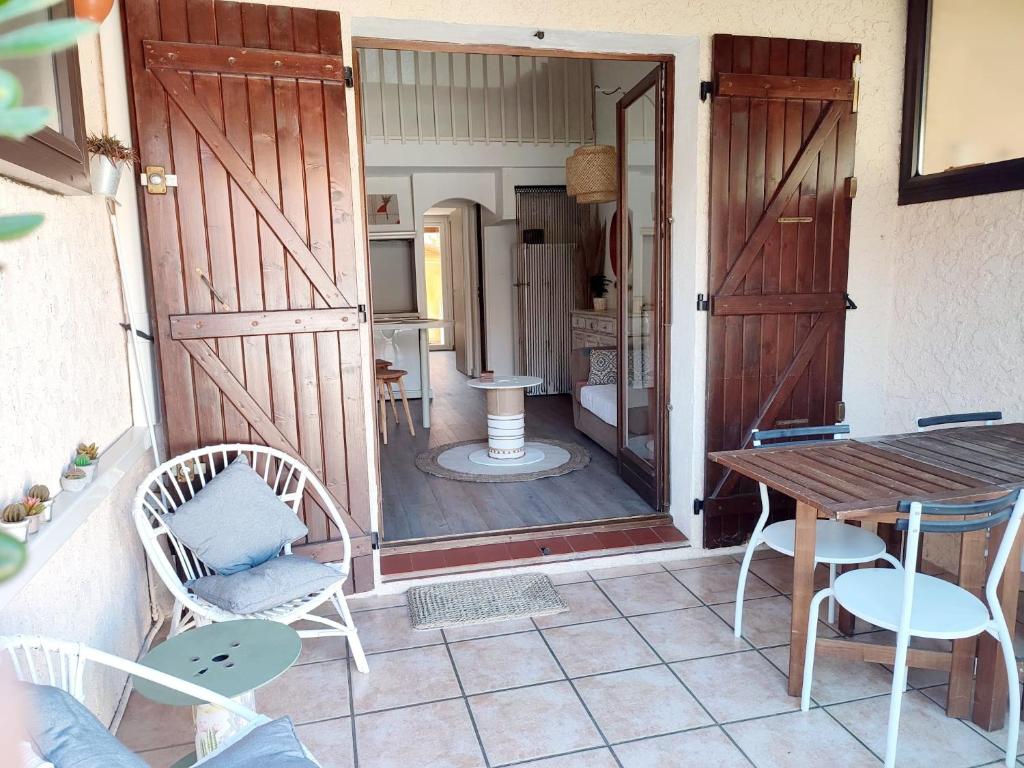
{"type": "Point", "coordinates": [643, 281]}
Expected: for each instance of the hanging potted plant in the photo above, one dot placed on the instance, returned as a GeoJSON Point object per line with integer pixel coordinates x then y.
{"type": "Point", "coordinates": [109, 155]}
{"type": "Point", "coordinates": [14, 521]}
{"type": "Point", "coordinates": [599, 288]}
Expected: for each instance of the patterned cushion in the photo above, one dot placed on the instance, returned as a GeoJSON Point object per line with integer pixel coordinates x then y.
{"type": "Point", "coordinates": [236, 522]}
{"type": "Point", "coordinates": [603, 366]}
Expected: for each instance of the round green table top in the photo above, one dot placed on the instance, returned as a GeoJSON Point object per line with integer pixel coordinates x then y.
{"type": "Point", "coordinates": [229, 658]}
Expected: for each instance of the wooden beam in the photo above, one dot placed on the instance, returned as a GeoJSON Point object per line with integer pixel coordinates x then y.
{"type": "Point", "coordinates": [852, 650]}
{"type": "Point", "coordinates": [240, 173]}
{"type": "Point", "coordinates": [784, 87]}
{"type": "Point", "coordinates": [780, 304]}
{"type": "Point", "coordinates": [220, 325]}
{"type": "Point", "coordinates": [225, 59]}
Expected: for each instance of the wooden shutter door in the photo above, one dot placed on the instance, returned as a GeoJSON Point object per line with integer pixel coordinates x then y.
{"type": "Point", "coordinates": [782, 151]}
{"type": "Point", "coordinates": [251, 256]}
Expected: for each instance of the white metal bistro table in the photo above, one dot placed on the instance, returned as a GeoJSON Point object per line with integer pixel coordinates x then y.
{"type": "Point", "coordinates": [506, 422]}
{"type": "Point", "coordinates": [231, 658]}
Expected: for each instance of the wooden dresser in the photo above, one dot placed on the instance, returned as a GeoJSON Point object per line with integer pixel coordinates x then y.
{"type": "Point", "coordinates": [593, 329]}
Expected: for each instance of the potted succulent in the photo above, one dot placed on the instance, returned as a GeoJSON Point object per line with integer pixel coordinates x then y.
{"type": "Point", "coordinates": [109, 155]}
{"type": "Point", "coordinates": [37, 505]}
{"type": "Point", "coordinates": [599, 288]}
{"type": "Point", "coordinates": [86, 457]}
{"type": "Point", "coordinates": [14, 521]}
{"type": "Point", "coordinates": [74, 479]}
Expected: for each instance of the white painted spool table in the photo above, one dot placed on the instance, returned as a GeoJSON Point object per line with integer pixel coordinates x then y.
{"type": "Point", "coordinates": [506, 422]}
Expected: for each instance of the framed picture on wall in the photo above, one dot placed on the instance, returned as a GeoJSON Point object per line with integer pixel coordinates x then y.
{"type": "Point", "coordinates": [389, 205]}
{"type": "Point", "coordinates": [383, 209]}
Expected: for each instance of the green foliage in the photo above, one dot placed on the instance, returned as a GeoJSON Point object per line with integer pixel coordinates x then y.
{"type": "Point", "coordinates": [81, 460]}
{"type": "Point", "coordinates": [18, 121]}
{"type": "Point", "coordinates": [13, 554]}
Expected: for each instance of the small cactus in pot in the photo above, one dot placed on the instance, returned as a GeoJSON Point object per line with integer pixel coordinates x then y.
{"type": "Point", "coordinates": [37, 502]}
{"type": "Point", "coordinates": [74, 479]}
{"type": "Point", "coordinates": [14, 521]}
{"type": "Point", "coordinates": [84, 463]}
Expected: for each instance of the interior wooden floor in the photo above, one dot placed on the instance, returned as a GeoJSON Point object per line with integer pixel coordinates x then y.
{"type": "Point", "coordinates": [418, 505]}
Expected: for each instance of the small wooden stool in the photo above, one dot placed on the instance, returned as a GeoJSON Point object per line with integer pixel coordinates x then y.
{"type": "Point", "coordinates": [385, 378]}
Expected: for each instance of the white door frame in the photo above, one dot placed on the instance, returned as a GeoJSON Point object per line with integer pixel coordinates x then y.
{"type": "Point", "coordinates": [689, 273]}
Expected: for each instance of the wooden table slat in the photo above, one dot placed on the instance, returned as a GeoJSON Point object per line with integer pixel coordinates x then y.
{"type": "Point", "coordinates": [866, 455]}
{"type": "Point", "coordinates": [780, 469]}
{"type": "Point", "coordinates": [925, 453]}
{"type": "Point", "coordinates": [892, 480]}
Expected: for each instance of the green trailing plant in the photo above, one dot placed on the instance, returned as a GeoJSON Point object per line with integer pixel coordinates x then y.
{"type": "Point", "coordinates": [81, 460]}
{"type": "Point", "coordinates": [39, 492]}
{"type": "Point", "coordinates": [110, 147]}
{"type": "Point", "coordinates": [18, 120]}
{"type": "Point", "coordinates": [14, 513]}
{"type": "Point", "coordinates": [599, 285]}
{"type": "Point", "coordinates": [91, 450]}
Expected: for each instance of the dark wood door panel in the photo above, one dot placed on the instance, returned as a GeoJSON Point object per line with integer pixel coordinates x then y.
{"type": "Point", "coordinates": [252, 257]}
{"type": "Point", "coordinates": [779, 247]}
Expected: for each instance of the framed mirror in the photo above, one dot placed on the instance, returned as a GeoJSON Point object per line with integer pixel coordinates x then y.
{"type": "Point", "coordinates": [963, 100]}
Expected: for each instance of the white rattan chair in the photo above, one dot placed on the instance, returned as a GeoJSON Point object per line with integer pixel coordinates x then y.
{"type": "Point", "coordinates": [176, 481]}
{"type": "Point", "coordinates": [62, 664]}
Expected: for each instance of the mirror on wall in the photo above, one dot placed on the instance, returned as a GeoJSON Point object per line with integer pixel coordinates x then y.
{"type": "Point", "coordinates": [963, 99]}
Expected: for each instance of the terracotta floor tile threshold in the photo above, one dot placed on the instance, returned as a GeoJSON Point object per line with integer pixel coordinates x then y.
{"type": "Point", "coordinates": [556, 547]}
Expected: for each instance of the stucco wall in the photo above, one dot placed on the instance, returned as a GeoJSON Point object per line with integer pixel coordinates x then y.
{"type": "Point", "coordinates": [64, 377]}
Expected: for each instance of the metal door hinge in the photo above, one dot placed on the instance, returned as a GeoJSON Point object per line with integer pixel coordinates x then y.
{"type": "Point", "coordinates": [707, 89]}
{"type": "Point", "coordinates": [703, 305]}
{"type": "Point", "coordinates": [850, 303]}
{"type": "Point", "coordinates": [698, 506]}
{"type": "Point", "coordinates": [851, 187]}
{"type": "Point", "coordinates": [350, 80]}
{"type": "Point", "coordinates": [374, 540]}
{"type": "Point", "coordinates": [156, 180]}
{"type": "Point", "coordinates": [140, 334]}
{"type": "Point", "coordinates": [856, 84]}
{"type": "Point", "coordinates": [362, 313]}
{"type": "Point", "coordinates": [840, 411]}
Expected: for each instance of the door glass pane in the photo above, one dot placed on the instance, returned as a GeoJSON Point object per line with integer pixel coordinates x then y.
{"type": "Point", "coordinates": [640, 275]}
{"type": "Point", "coordinates": [434, 275]}
{"type": "Point", "coordinates": [37, 74]}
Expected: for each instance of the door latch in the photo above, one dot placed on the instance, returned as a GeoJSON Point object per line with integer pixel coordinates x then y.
{"type": "Point", "coordinates": [156, 180]}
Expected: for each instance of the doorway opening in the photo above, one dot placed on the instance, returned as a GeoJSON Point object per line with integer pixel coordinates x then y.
{"type": "Point", "coordinates": [531, 332]}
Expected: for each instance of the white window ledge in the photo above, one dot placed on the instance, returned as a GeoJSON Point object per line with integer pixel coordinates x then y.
{"type": "Point", "coordinates": [71, 510]}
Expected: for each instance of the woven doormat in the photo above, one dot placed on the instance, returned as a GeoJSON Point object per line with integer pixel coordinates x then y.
{"type": "Point", "coordinates": [483, 601]}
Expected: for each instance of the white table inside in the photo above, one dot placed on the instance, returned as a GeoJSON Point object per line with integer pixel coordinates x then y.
{"type": "Point", "coordinates": [422, 325]}
{"type": "Point", "coordinates": [506, 421]}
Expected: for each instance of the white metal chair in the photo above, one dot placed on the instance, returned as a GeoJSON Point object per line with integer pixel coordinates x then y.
{"type": "Point", "coordinates": [836, 543]}
{"type": "Point", "coordinates": [176, 481]}
{"type": "Point", "coordinates": [979, 417]}
{"type": "Point", "coordinates": [915, 604]}
{"type": "Point", "coordinates": [62, 664]}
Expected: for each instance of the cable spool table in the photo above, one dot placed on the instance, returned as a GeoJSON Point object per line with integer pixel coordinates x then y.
{"type": "Point", "coordinates": [506, 422]}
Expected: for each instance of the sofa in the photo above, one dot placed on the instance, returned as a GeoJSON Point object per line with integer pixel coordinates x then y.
{"type": "Point", "coordinates": [594, 406]}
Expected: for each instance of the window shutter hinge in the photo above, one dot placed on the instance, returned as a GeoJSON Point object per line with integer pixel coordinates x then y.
{"type": "Point", "coordinates": [698, 506]}
{"type": "Point", "coordinates": [703, 305]}
{"type": "Point", "coordinates": [374, 540]}
{"type": "Point", "coordinates": [855, 104]}
{"type": "Point", "coordinates": [850, 303]}
{"type": "Point", "coordinates": [707, 89]}
{"type": "Point", "coordinates": [362, 313]}
{"type": "Point", "coordinates": [350, 80]}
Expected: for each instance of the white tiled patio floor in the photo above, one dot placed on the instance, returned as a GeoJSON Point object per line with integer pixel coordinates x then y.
{"type": "Point", "coordinates": [643, 672]}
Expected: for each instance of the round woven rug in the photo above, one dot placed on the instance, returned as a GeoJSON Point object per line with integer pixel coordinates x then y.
{"type": "Point", "coordinates": [452, 462]}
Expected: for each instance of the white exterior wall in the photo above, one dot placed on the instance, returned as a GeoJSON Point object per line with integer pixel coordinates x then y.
{"type": "Point", "coordinates": [64, 378]}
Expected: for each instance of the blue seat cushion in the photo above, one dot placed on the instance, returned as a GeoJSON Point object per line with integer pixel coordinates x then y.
{"type": "Point", "coordinates": [69, 735]}
{"type": "Point", "coordinates": [266, 586]}
{"type": "Point", "coordinates": [236, 522]}
{"type": "Point", "coordinates": [271, 744]}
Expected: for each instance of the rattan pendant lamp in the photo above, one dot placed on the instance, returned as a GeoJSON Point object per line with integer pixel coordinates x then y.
{"type": "Point", "coordinates": [592, 174]}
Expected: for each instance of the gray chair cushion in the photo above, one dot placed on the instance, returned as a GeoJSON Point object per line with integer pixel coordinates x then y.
{"type": "Point", "coordinates": [268, 585]}
{"type": "Point", "coordinates": [271, 744]}
{"type": "Point", "coordinates": [69, 735]}
{"type": "Point", "coordinates": [236, 521]}
{"type": "Point", "coordinates": [603, 366]}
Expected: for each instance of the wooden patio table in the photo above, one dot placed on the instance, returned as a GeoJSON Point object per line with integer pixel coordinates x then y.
{"type": "Point", "coordinates": [863, 480]}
